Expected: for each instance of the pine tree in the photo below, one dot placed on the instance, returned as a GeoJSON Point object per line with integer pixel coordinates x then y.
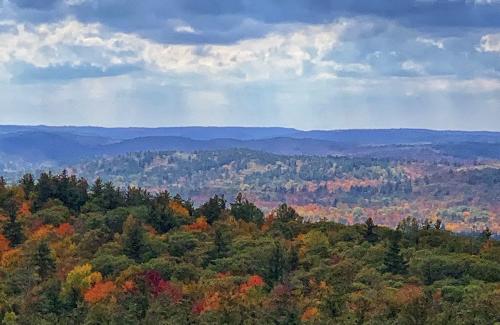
{"type": "Point", "coordinates": [97, 188]}
{"type": "Point", "coordinates": [221, 243]}
{"type": "Point", "coordinates": [213, 208]}
{"type": "Point", "coordinates": [277, 263]}
{"type": "Point", "coordinates": [43, 260]}
{"type": "Point", "coordinates": [13, 231]}
{"type": "Point", "coordinates": [134, 241]}
{"type": "Point", "coordinates": [244, 210]}
{"type": "Point", "coordinates": [28, 184]}
{"type": "Point", "coordinates": [370, 235]}
{"type": "Point", "coordinates": [393, 261]}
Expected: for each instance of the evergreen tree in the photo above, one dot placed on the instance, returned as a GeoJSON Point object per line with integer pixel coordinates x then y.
{"type": "Point", "coordinates": [393, 261]}
{"type": "Point", "coordinates": [277, 263]}
{"type": "Point", "coordinates": [45, 189]}
{"type": "Point", "coordinates": [222, 241]}
{"type": "Point", "coordinates": [285, 213]}
{"type": "Point", "coordinates": [97, 188]}
{"type": "Point", "coordinates": [13, 229]}
{"type": "Point", "coordinates": [133, 239]}
{"type": "Point", "coordinates": [43, 260]}
{"type": "Point", "coordinates": [293, 258]}
{"type": "Point", "coordinates": [213, 208]}
{"type": "Point", "coordinates": [370, 236]}
{"type": "Point", "coordinates": [247, 211]}
{"type": "Point", "coordinates": [111, 197]}
{"type": "Point", "coordinates": [28, 184]}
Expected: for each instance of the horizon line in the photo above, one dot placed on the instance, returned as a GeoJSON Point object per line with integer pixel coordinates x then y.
{"type": "Point", "coordinates": [249, 127]}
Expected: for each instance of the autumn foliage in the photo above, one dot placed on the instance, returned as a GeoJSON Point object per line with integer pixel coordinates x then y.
{"type": "Point", "coordinates": [4, 244]}
{"type": "Point", "coordinates": [114, 256]}
{"type": "Point", "coordinates": [309, 314]}
{"type": "Point", "coordinates": [199, 225]}
{"type": "Point", "coordinates": [252, 282]}
{"type": "Point", "coordinates": [65, 229]}
{"type": "Point", "coordinates": [99, 291]}
{"type": "Point", "coordinates": [159, 286]}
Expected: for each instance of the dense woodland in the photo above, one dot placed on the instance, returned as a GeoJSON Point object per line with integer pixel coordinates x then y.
{"type": "Point", "coordinates": [464, 195]}
{"type": "Point", "coordinates": [78, 253]}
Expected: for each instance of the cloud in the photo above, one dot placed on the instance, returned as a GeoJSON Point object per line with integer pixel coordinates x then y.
{"type": "Point", "coordinates": [220, 21]}
{"type": "Point", "coordinates": [185, 29]}
{"type": "Point", "coordinates": [76, 44]}
{"type": "Point", "coordinates": [490, 43]}
{"type": "Point", "coordinates": [432, 42]}
{"type": "Point", "coordinates": [413, 66]}
{"type": "Point", "coordinates": [341, 63]}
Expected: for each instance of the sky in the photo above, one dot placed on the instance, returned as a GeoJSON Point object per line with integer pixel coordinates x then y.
{"type": "Point", "coordinates": [317, 64]}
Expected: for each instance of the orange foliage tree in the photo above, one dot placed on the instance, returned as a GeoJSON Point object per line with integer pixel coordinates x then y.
{"type": "Point", "coordinates": [99, 291]}
{"type": "Point", "coordinates": [4, 244]}
{"type": "Point", "coordinates": [309, 314]}
{"type": "Point", "coordinates": [65, 229]}
{"type": "Point", "coordinates": [252, 282]}
{"type": "Point", "coordinates": [200, 224]}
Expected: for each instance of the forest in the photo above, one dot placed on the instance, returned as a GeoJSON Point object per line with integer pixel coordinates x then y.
{"type": "Point", "coordinates": [74, 251]}
{"type": "Point", "coordinates": [464, 195]}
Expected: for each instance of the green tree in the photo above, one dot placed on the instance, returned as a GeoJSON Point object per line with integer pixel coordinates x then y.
{"type": "Point", "coordinates": [13, 230]}
{"type": "Point", "coordinates": [370, 235]}
{"type": "Point", "coordinates": [213, 208]}
{"type": "Point", "coordinates": [393, 261]}
{"type": "Point", "coordinates": [179, 243]}
{"type": "Point", "coordinates": [43, 260]}
{"type": "Point", "coordinates": [409, 229]}
{"type": "Point", "coordinates": [285, 213]}
{"type": "Point", "coordinates": [222, 241]}
{"type": "Point", "coordinates": [278, 262]}
{"type": "Point", "coordinates": [28, 184]}
{"type": "Point", "coordinates": [242, 209]}
{"type": "Point", "coordinates": [134, 242]}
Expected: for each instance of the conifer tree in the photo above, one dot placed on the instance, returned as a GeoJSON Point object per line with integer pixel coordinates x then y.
{"type": "Point", "coordinates": [278, 262]}
{"type": "Point", "coordinates": [370, 236]}
{"type": "Point", "coordinates": [393, 261]}
{"type": "Point", "coordinates": [13, 229]}
{"type": "Point", "coordinates": [43, 260]}
{"type": "Point", "coordinates": [133, 241]}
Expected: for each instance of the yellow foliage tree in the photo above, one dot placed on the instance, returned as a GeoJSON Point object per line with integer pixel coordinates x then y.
{"type": "Point", "coordinates": [80, 278]}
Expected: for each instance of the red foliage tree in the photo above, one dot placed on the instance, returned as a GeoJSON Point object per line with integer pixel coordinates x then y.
{"type": "Point", "coordinates": [157, 285]}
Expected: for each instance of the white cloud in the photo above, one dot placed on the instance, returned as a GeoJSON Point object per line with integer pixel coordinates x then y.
{"type": "Point", "coordinates": [490, 43]}
{"type": "Point", "coordinates": [432, 42]}
{"type": "Point", "coordinates": [74, 43]}
{"type": "Point", "coordinates": [185, 29]}
{"type": "Point", "coordinates": [324, 76]}
{"type": "Point", "coordinates": [412, 66]}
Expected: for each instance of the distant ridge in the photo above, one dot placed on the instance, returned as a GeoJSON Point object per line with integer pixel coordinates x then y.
{"type": "Point", "coordinates": [69, 144]}
{"type": "Point", "coordinates": [361, 136]}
